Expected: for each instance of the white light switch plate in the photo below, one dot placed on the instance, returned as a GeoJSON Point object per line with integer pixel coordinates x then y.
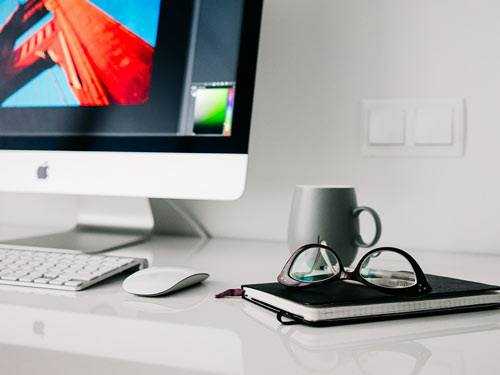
{"type": "Point", "coordinates": [387, 127]}
{"type": "Point", "coordinates": [414, 127]}
{"type": "Point", "coordinates": [434, 126]}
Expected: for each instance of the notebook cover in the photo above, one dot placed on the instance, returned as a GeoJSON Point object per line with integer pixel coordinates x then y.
{"type": "Point", "coordinates": [341, 293]}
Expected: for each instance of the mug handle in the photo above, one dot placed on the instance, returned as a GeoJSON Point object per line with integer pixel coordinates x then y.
{"type": "Point", "coordinates": [378, 227]}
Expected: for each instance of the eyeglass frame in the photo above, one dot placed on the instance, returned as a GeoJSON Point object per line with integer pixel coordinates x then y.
{"type": "Point", "coordinates": [421, 286]}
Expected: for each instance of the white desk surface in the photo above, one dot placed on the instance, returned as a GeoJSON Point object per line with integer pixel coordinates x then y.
{"type": "Point", "coordinates": [104, 330]}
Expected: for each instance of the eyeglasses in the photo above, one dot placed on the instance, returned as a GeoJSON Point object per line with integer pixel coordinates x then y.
{"type": "Point", "coordinates": [386, 269]}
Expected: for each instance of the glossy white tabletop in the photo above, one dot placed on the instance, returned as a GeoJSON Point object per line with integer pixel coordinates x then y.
{"type": "Point", "coordinates": [104, 330]}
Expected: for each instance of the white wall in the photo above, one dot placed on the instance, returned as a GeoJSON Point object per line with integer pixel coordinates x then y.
{"type": "Point", "coordinates": [319, 58]}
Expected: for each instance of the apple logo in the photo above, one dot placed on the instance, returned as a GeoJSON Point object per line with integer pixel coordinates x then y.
{"type": "Point", "coordinates": [42, 173]}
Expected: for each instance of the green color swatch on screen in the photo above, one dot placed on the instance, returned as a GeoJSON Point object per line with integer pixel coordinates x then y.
{"type": "Point", "coordinates": [210, 110]}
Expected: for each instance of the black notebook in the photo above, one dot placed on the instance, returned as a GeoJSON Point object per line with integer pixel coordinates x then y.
{"type": "Point", "coordinates": [343, 302]}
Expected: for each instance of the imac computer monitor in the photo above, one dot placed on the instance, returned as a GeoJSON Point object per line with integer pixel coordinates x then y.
{"type": "Point", "coordinates": [127, 98]}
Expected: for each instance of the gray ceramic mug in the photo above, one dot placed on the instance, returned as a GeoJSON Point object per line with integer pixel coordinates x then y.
{"type": "Point", "coordinates": [329, 215]}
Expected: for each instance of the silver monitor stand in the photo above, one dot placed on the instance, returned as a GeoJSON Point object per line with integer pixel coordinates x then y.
{"type": "Point", "coordinates": [109, 223]}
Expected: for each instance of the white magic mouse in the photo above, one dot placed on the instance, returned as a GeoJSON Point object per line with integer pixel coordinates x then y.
{"type": "Point", "coordinates": [157, 281]}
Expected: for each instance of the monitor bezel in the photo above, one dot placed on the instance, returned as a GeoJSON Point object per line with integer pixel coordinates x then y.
{"type": "Point", "coordinates": [237, 143]}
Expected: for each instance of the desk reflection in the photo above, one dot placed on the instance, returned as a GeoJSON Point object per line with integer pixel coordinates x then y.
{"type": "Point", "coordinates": [115, 338]}
{"type": "Point", "coordinates": [370, 349]}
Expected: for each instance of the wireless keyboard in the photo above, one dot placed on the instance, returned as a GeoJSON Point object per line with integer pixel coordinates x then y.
{"type": "Point", "coordinates": [63, 271]}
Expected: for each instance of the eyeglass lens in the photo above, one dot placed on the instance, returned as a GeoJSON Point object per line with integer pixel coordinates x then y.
{"type": "Point", "coordinates": [314, 265]}
{"type": "Point", "coordinates": [388, 269]}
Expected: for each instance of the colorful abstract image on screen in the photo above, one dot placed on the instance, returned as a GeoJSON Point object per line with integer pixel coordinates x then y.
{"type": "Point", "coordinates": [58, 53]}
{"type": "Point", "coordinates": [214, 111]}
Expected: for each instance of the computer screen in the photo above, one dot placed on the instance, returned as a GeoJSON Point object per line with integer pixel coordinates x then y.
{"type": "Point", "coordinates": [73, 66]}
{"type": "Point", "coordinates": [126, 75]}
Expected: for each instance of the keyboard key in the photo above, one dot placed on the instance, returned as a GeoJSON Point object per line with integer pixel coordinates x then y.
{"type": "Point", "coordinates": [26, 279]}
{"type": "Point", "coordinates": [85, 277]}
{"type": "Point", "coordinates": [10, 277]}
{"type": "Point", "coordinates": [58, 281]}
{"type": "Point", "coordinates": [75, 283]}
{"type": "Point", "coordinates": [19, 274]}
{"type": "Point", "coordinates": [41, 281]}
{"type": "Point", "coordinates": [51, 274]}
